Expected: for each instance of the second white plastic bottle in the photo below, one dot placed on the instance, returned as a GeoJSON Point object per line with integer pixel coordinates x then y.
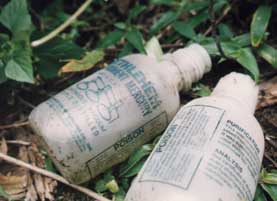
{"type": "Point", "coordinates": [211, 151]}
{"type": "Point", "coordinates": [99, 121]}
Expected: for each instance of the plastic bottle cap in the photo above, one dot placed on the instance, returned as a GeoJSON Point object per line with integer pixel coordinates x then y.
{"type": "Point", "coordinates": [240, 87]}
{"type": "Point", "coordinates": [192, 62]}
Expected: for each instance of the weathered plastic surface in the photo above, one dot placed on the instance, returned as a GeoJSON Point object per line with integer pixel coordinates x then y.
{"type": "Point", "coordinates": [99, 121]}
{"type": "Point", "coordinates": [212, 150]}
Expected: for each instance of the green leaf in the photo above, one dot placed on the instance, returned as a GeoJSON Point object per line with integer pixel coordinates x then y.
{"type": "Point", "coordinates": [198, 19]}
{"type": "Point", "coordinates": [164, 2]}
{"type": "Point", "coordinates": [134, 12]}
{"type": "Point", "coordinates": [86, 63]}
{"type": "Point", "coordinates": [127, 48]}
{"type": "Point", "coordinates": [3, 77]}
{"type": "Point", "coordinates": [138, 155]}
{"type": "Point", "coordinates": [111, 39]}
{"type": "Point", "coordinates": [112, 186]}
{"type": "Point", "coordinates": [271, 190]}
{"type": "Point", "coordinates": [268, 53]}
{"type": "Point", "coordinates": [135, 38]}
{"type": "Point", "coordinates": [268, 177]}
{"type": "Point", "coordinates": [101, 183]}
{"type": "Point", "coordinates": [259, 24]}
{"type": "Point", "coordinates": [166, 19]}
{"type": "Point", "coordinates": [100, 186]}
{"type": "Point", "coordinates": [243, 40]}
{"type": "Point", "coordinates": [52, 54]}
{"type": "Point", "coordinates": [259, 195]}
{"type": "Point", "coordinates": [15, 17]}
{"type": "Point", "coordinates": [225, 31]}
{"type": "Point", "coordinates": [135, 169]}
{"type": "Point", "coordinates": [19, 67]}
{"type": "Point", "coordinates": [202, 90]}
{"type": "Point", "coordinates": [246, 58]}
{"type": "Point", "coordinates": [120, 195]}
{"type": "Point", "coordinates": [184, 29]}
{"type": "Point", "coordinates": [154, 49]}
{"type": "Point", "coordinates": [49, 165]}
{"type": "Point", "coordinates": [4, 194]}
{"type": "Point", "coordinates": [120, 25]}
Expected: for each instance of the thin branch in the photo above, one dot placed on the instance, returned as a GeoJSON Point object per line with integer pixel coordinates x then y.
{"type": "Point", "coordinates": [63, 26]}
{"type": "Point", "coordinates": [271, 160]}
{"type": "Point", "coordinates": [224, 14]}
{"type": "Point", "coordinates": [51, 175]}
{"type": "Point", "coordinates": [15, 125]}
{"type": "Point", "coordinates": [18, 142]}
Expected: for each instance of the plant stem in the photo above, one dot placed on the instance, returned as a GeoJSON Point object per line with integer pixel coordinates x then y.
{"type": "Point", "coordinates": [52, 175]}
{"type": "Point", "coordinates": [63, 26]}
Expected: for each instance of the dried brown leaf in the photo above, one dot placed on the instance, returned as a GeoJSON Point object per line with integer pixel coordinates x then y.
{"type": "Point", "coordinates": [268, 93]}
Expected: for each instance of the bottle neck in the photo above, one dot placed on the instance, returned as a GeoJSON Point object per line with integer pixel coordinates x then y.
{"type": "Point", "coordinates": [191, 63]}
{"type": "Point", "coordinates": [238, 87]}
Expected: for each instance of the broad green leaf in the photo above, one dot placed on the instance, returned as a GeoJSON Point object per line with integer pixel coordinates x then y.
{"type": "Point", "coordinates": [229, 47]}
{"type": "Point", "coordinates": [135, 169]}
{"type": "Point", "coordinates": [259, 195]}
{"type": "Point", "coordinates": [124, 183]}
{"type": "Point", "coordinates": [19, 67]}
{"type": "Point", "coordinates": [195, 6]}
{"type": "Point", "coordinates": [225, 31]}
{"type": "Point", "coordinates": [166, 19]}
{"type": "Point", "coordinates": [164, 2]}
{"type": "Point", "coordinates": [135, 158]}
{"type": "Point", "coordinates": [15, 17]}
{"type": "Point", "coordinates": [112, 186]}
{"type": "Point", "coordinates": [202, 90]}
{"type": "Point", "coordinates": [271, 190]}
{"type": "Point", "coordinates": [3, 77]}
{"type": "Point", "coordinates": [268, 177]}
{"type": "Point", "coordinates": [135, 38]}
{"type": "Point", "coordinates": [86, 63]}
{"type": "Point", "coordinates": [120, 195]}
{"type": "Point", "coordinates": [111, 39]}
{"type": "Point", "coordinates": [198, 19]}
{"type": "Point", "coordinates": [49, 164]}
{"type": "Point", "coordinates": [53, 54]}
{"type": "Point", "coordinates": [259, 24]}
{"type": "Point", "coordinates": [243, 40]}
{"type": "Point", "coordinates": [246, 58]}
{"type": "Point", "coordinates": [184, 29]}
{"type": "Point", "coordinates": [268, 53]}
{"type": "Point", "coordinates": [100, 186]}
{"type": "Point", "coordinates": [127, 48]}
{"type": "Point", "coordinates": [120, 25]}
{"type": "Point", "coordinates": [134, 12]}
{"type": "Point", "coordinates": [154, 49]}
{"type": "Point", "coordinates": [4, 194]}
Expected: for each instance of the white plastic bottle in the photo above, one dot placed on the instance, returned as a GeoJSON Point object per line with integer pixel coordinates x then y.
{"type": "Point", "coordinates": [211, 151]}
{"type": "Point", "coordinates": [99, 121]}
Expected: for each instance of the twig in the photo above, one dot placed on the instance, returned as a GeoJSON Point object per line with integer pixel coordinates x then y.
{"type": "Point", "coordinates": [224, 14]}
{"type": "Point", "coordinates": [18, 142]}
{"type": "Point", "coordinates": [63, 26]}
{"type": "Point", "coordinates": [15, 125]}
{"type": "Point", "coordinates": [271, 160]}
{"type": "Point", "coordinates": [26, 102]}
{"type": "Point", "coordinates": [51, 175]}
{"type": "Point", "coordinates": [214, 29]}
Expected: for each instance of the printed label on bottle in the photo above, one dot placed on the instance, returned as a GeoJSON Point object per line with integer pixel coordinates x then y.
{"type": "Point", "coordinates": [100, 111]}
{"type": "Point", "coordinates": [204, 143]}
{"type": "Point", "coordinates": [127, 144]}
